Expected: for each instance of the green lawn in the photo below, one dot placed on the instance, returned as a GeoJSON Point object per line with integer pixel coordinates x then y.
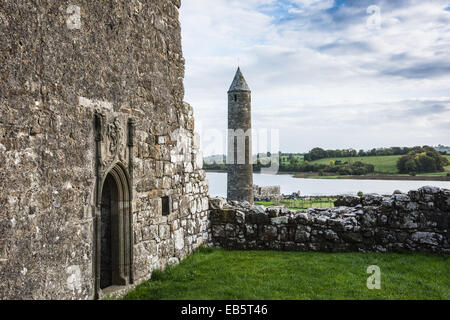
{"type": "Point", "coordinates": [301, 204]}
{"type": "Point", "coordinates": [383, 164]}
{"type": "Point", "coordinates": [434, 174]}
{"type": "Point", "coordinates": [285, 159]}
{"type": "Point", "coordinates": [214, 274]}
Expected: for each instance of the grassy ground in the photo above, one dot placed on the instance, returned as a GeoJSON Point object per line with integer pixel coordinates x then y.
{"type": "Point", "coordinates": [420, 177]}
{"type": "Point", "coordinates": [383, 164]}
{"type": "Point", "coordinates": [215, 274]}
{"type": "Point", "coordinates": [385, 168]}
{"type": "Point", "coordinates": [301, 204]}
{"type": "Point", "coordinates": [285, 159]}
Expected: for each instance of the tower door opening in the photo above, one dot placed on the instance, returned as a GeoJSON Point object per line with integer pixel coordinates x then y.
{"type": "Point", "coordinates": [109, 211]}
{"type": "Point", "coordinates": [115, 242]}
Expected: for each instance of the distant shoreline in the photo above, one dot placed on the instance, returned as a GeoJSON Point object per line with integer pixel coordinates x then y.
{"type": "Point", "coordinates": [299, 175]}
{"type": "Point", "coordinates": [405, 178]}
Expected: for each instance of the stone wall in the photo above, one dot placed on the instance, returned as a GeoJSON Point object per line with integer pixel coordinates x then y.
{"type": "Point", "coordinates": [271, 193]}
{"type": "Point", "coordinates": [416, 221]}
{"type": "Point", "coordinates": [121, 60]}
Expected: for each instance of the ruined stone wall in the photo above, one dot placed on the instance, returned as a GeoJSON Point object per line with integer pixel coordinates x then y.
{"type": "Point", "coordinates": [58, 67]}
{"type": "Point", "coordinates": [271, 193]}
{"type": "Point", "coordinates": [417, 221]}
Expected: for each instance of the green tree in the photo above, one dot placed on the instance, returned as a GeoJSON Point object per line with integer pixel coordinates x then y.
{"type": "Point", "coordinates": [410, 166]}
{"type": "Point", "coordinates": [421, 159]}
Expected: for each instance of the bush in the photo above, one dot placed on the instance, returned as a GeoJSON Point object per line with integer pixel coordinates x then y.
{"type": "Point", "coordinates": [420, 160]}
{"type": "Point", "coordinates": [360, 193]}
{"type": "Point", "coordinates": [345, 171]}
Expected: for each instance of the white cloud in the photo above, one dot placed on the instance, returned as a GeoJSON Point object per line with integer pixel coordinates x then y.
{"type": "Point", "coordinates": [321, 74]}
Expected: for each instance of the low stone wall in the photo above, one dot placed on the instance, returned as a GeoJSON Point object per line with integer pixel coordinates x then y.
{"type": "Point", "coordinates": [271, 193]}
{"type": "Point", "coordinates": [416, 221]}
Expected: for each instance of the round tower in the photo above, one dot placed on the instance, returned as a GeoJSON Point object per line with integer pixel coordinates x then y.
{"type": "Point", "coordinates": [239, 157]}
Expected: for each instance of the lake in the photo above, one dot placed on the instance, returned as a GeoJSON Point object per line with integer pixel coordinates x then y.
{"type": "Point", "coordinates": [321, 187]}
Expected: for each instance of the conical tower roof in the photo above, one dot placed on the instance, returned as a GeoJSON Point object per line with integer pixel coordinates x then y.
{"type": "Point", "coordinates": [239, 83]}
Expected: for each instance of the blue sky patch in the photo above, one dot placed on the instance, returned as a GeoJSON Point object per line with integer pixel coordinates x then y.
{"type": "Point", "coordinates": [281, 10]}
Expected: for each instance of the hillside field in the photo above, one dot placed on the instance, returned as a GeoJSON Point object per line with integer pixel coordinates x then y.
{"type": "Point", "coordinates": [285, 159]}
{"type": "Point", "coordinates": [383, 164]}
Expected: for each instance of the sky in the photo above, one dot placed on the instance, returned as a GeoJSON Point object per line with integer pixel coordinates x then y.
{"type": "Point", "coordinates": [333, 74]}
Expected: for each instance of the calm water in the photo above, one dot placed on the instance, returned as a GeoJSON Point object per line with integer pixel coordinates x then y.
{"type": "Point", "coordinates": [321, 187]}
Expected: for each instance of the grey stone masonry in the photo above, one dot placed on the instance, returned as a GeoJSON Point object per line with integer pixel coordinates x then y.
{"type": "Point", "coordinates": [270, 193]}
{"type": "Point", "coordinates": [417, 222]}
{"type": "Point", "coordinates": [94, 137]}
{"type": "Point", "coordinates": [239, 158]}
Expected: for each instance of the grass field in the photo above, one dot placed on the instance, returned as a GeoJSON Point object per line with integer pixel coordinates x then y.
{"type": "Point", "coordinates": [383, 164]}
{"type": "Point", "coordinates": [302, 204]}
{"type": "Point", "coordinates": [285, 159]}
{"type": "Point", "coordinates": [217, 274]}
{"type": "Point", "coordinates": [385, 169]}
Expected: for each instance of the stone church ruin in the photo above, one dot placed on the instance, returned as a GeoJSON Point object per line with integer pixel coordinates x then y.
{"type": "Point", "coordinates": [101, 178]}
{"type": "Point", "coordinates": [100, 174]}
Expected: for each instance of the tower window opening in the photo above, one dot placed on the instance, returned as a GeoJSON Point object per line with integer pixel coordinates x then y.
{"type": "Point", "coordinates": [235, 97]}
{"type": "Point", "coordinates": [166, 205]}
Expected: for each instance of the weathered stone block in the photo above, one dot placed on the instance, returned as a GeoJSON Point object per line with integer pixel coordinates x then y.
{"type": "Point", "coordinates": [347, 201]}
{"type": "Point", "coordinates": [429, 238]}
{"type": "Point", "coordinates": [270, 233]}
{"type": "Point", "coordinates": [371, 199]}
{"type": "Point", "coordinates": [280, 220]}
{"type": "Point", "coordinates": [331, 235]}
{"type": "Point", "coordinates": [302, 236]}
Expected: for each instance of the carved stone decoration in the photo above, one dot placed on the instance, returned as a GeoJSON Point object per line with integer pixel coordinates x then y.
{"type": "Point", "coordinates": [114, 143]}
{"type": "Point", "coordinates": [114, 134]}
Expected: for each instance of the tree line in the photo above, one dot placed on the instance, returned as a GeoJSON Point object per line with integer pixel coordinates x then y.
{"type": "Point", "coordinates": [414, 160]}
{"type": "Point", "coordinates": [319, 153]}
{"type": "Point", "coordinates": [334, 167]}
{"type": "Point", "coordinates": [295, 165]}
